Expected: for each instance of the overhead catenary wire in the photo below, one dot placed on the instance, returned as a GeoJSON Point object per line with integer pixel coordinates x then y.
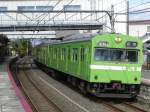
{"type": "Point", "coordinates": [143, 3]}
{"type": "Point", "coordinates": [32, 19]}
{"type": "Point", "coordinates": [73, 15]}
{"type": "Point", "coordinates": [106, 9]}
{"type": "Point", "coordinates": [141, 9]}
{"type": "Point", "coordinates": [43, 13]}
{"type": "Point", "coordinates": [61, 11]}
{"type": "Point", "coordinates": [130, 12]}
{"type": "Point", "coordinates": [138, 11]}
{"type": "Point", "coordinates": [47, 13]}
{"type": "Point", "coordinates": [110, 7]}
{"type": "Point", "coordinates": [141, 12]}
{"type": "Point", "coordinates": [53, 8]}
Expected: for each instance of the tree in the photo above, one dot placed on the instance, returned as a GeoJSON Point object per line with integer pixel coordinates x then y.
{"type": "Point", "coordinates": [4, 50]}
{"type": "Point", "coordinates": [3, 40]}
{"type": "Point", "coordinates": [21, 46]}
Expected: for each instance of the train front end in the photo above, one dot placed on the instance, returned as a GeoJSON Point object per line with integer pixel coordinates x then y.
{"type": "Point", "coordinates": [115, 69]}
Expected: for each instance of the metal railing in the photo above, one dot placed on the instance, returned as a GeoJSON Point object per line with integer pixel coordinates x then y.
{"type": "Point", "coordinates": [88, 18]}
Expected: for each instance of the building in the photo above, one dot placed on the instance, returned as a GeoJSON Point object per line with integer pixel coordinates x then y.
{"type": "Point", "coordinates": [61, 5]}
{"type": "Point", "coordinates": [139, 28]}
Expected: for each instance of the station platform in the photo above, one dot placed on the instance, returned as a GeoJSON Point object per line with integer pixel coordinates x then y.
{"type": "Point", "coordinates": [11, 99]}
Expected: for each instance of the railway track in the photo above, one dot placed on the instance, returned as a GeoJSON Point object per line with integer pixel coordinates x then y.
{"type": "Point", "coordinates": [137, 109]}
{"type": "Point", "coordinates": [122, 107]}
{"type": "Point", "coordinates": [38, 100]}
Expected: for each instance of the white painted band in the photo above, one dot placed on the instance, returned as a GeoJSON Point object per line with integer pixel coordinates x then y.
{"type": "Point", "coordinates": [119, 68]}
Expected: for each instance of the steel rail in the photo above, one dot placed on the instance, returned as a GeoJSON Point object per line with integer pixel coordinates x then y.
{"type": "Point", "coordinates": [110, 106]}
{"type": "Point", "coordinates": [40, 91]}
{"type": "Point", "coordinates": [34, 105]}
{"type": "Point", "coordinates": [137, 109]}
{"type": "Point", "coordinates": [28, 97]}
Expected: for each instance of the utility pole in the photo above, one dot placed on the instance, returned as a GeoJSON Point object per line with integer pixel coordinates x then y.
{"type": "Point", "coordinates": [127, 17]}
{"type": "Point", "coordinates": [112, 20]}
{"type": "Point", "coordinates": [27, 48]}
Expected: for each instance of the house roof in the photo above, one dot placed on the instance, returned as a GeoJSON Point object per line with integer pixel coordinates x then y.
{"type": "Point", "coordinates": [139, 22]}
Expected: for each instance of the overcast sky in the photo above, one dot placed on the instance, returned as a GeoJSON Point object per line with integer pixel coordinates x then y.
{"type": "Point", "coordinates": [134, 3]}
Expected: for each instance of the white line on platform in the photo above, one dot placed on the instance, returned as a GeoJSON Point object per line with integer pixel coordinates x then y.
{"type": "Point", "coordinates": [64, 95]}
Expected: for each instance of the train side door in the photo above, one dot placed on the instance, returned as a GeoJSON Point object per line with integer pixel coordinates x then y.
{"type": "Point", "coordinates": [69, 59]}
{"type": "Point", "coordinates": [84, 61]}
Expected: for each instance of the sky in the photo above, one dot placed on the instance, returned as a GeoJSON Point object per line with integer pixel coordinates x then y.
{"type": "Point", "coordinates": [134, 3]}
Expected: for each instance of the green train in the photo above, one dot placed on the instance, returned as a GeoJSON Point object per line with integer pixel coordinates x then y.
{"type": "Point", "coordinates": [104, 65]}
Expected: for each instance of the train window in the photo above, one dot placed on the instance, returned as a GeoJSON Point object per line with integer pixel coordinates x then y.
{"type": "Point", "coordinates": [86, 56]}
{"type": "Point", "coordinates": [116, 55]}
{"type": "Point", "coordinates": [55, 52]}
{"type": "Point", "coordinates": [63, 53]}
{"type": "Point", "coordinates": [50, 51]}
{"type": "Point", "coordinates": [82, 54]}
{"type": "Point", "coordinates": [74, 54]}
{"type": "Point", "coordinates": [68, 53]}
{"type": "Point", "coordinates": [132, 56]}
{"type": "Point", "coordinates": [61, 56]}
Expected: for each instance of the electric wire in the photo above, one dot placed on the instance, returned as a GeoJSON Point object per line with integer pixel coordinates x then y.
{"type": "Point", "coordinates": [61, 11]}
{"type": "Point", "coordinates": [39, 21]}
{"type": "Point", "coordinates": [45, 14]}
{"type": "Point", "coordinates": [143, 3]}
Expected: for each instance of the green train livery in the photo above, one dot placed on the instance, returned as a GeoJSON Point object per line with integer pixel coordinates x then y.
{"type": "Point", "coordinates": [104, 65]}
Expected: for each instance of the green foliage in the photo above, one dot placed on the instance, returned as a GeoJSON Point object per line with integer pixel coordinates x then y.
{"type": "Point", "coordinates": [3, 40]}
{"type": "Point", "coordinates": [3, 45]}
{"type": "Point", "coordinates": [21, 46]}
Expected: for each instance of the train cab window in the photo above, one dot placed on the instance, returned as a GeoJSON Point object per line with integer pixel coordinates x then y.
{"type": "Point", "coordinates": [123, 55]}
{"type": "Point", "coordinates": [132, 56]}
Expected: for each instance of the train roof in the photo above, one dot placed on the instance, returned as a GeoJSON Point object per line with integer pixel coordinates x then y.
{"type": "Point", "coordinates": [72, 38]}
{"type": "Point", "coordinates": [78, 38]}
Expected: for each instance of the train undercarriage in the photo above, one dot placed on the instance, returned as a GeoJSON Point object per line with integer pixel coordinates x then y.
{"type": "Point", "coordinates": [110, 90]}
{"type": "Point", "coordinates": [104, 90]}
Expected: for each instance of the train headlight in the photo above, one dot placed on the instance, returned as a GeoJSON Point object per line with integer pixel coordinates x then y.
{"type": "Point", "coordinates": [131, 44]}
{"type": "Point", "coordinates": [103, 44]}
{"type": "Point", "coordinates": [118, 40]}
